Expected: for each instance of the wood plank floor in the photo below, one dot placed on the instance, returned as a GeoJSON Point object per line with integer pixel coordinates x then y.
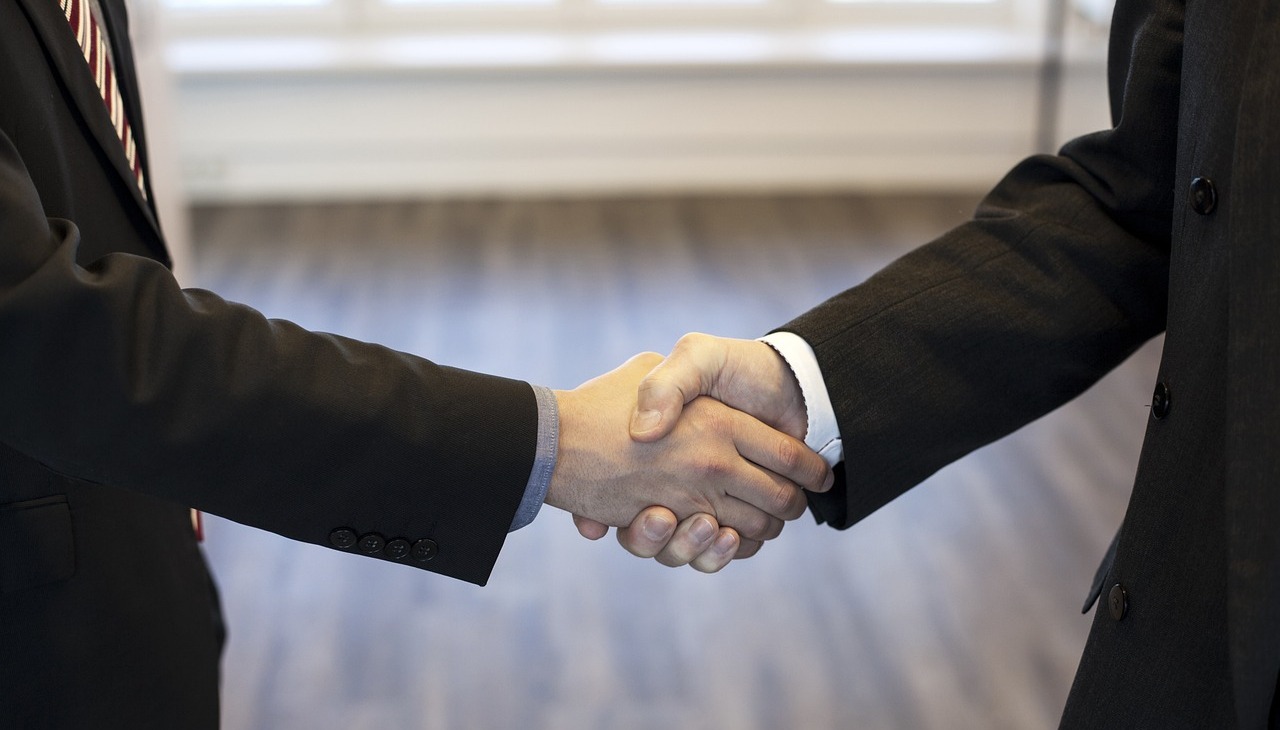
{"type": "Point", "coordinates": [957, 606]}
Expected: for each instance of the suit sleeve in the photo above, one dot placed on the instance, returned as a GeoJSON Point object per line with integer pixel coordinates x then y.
{"type": "Point", "coordinates": [113, 374]}
{"type": "Point", "coordinates": [1060, 276]}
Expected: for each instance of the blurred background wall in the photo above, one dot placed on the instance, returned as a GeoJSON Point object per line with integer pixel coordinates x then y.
{"type": "Point", "coordinates": [305, 99]}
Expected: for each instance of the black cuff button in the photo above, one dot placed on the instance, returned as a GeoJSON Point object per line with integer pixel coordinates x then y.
{"type": "Point", "coordinates": [424, 550]}
{"type": "Point", "coordinates": [397, 549]}
{"type": "Point", "coordinates": [371, 543]}
{"type": "Point", "coordinates": [343, 538]}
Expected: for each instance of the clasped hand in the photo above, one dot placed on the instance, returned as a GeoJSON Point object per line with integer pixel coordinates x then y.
{"type": "Point", "coordinates": [655, 449]}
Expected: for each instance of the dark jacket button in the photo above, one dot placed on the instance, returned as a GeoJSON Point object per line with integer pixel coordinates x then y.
{"type": "Point", "coordinates": [342, 538]}
{"type": "Point", "coordinates": [396, 549]}
{"type": "Point", "coordinates": [371, 543]}
{"type": "Point", "coordinates": [1117, 602]}
{"type": "Point", "coordinates": [1204, 195]}
{"type": "Point", "coordinates": [424, 550]}
{"type": "Point", "coordinates": [1160, 401]}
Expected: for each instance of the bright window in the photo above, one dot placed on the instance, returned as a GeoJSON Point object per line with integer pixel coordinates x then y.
{"type": "Point", "coordinates": [239, 35]}
{"type": "Point", "coordinates": [195, 17]}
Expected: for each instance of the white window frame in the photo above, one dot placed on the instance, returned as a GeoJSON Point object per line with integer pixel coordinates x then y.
{"type": "Point", "coordinates": [346, 18]}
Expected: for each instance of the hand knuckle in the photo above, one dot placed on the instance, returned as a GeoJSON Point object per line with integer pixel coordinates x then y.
{"type": "Point", "coordinates": [783, 501]}
{"type": "Point", "coordinates": [758, 526]}
{"type": "Point", "coordinates": [692, 339]}
{"type": "Point", "coordinates": [773, 529]}
{"type": "Point", "coordinates": [692, 504]}
{"type": "Point", "coordinates": [790, 455]}
{"type": "Point", "coordinates": [711, 469]}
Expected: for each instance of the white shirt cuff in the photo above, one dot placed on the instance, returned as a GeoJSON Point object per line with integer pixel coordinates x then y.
{"type": "Point", "coordinates": [823, 435]}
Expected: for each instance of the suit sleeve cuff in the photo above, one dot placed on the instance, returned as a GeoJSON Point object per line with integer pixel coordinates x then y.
{"type": "Point", "coordinates": [535, 492]}
{"type": "Point", "coordinates": [823, 435]}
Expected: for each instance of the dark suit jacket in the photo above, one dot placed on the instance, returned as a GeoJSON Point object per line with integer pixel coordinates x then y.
{"type": "Point", "coordinates": [124, 400]}
{"type": "Point", "coordinates": [1070, 264]}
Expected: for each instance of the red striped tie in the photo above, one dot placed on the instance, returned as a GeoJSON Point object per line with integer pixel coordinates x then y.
{"type": "Point", "coordinates": [86, 30]}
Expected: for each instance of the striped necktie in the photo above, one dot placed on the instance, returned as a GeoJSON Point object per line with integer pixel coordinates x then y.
{"type": "Point", "coordinates": [85, 27]}
{"type": "Point", "coordinates": [89, 35]}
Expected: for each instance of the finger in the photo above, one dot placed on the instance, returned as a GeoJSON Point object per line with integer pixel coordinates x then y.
{"type": "Point", "coordinates": [589, 528]}
{"type": "Point", "coordinates": [689, 371]}
{"type": "Point", "coordinates": [693, 536]}
{"type": "Point", "coordinates": [758, 502]}
{"type": "Point", "coordinates": [747, 548]}
{"type": "Point", "coordinates": [649, 532]}
{"type": "Point", "coordinates": [720, 553]}
{"type": "Point", "coordinates": [750, 521]}
{"type": "Point", "coordinates": [784, 456]}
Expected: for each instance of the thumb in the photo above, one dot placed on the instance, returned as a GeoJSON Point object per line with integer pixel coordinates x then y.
{"type": "Point", "coordinates": [688, 372]}
{"type": "Point", "coordinates": [658, 405]}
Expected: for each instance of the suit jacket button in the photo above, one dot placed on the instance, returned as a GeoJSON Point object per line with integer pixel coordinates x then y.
{"type": "Point", "coordinates": [342, 538]}
{"type": "Point", "coordinates": [1117, 602]}
{"type": "Point", "coordinates": [396, 549]}
{"type": "Point", "coordinates": [1160, 401]}
{"type": "Point", "coordinates": [371, 543]}
{"type": "Point", "coordinates": [1204, 195]}
{"type": "Point", "coordinates": [424, 550]}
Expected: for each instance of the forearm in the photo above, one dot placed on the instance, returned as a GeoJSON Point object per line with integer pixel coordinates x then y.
{"type": "Point", "coordinates": [964, 340]}
{"type": "Point", "coordinates": [116, 375]}
{"type": "Point", "coordinates": [1062, 273]}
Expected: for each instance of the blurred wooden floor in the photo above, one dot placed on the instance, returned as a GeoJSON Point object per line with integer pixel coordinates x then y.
{"type": "Point", "coordinates": [955, 607]}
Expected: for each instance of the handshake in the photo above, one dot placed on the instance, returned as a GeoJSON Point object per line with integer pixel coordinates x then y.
{"type": "Point", "coordinates": [696, 459]}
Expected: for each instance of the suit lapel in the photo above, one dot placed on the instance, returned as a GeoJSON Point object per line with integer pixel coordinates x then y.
{"type": "Point", "coordinates": [68, 59]}
{"type": "Point", "coordinates": [117, 22]}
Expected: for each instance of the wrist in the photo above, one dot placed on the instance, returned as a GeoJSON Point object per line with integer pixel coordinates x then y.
{"type": "Point", "coordinates": [793, 410]}
{"type": "Point", "coordinates": [559, 493]}
{"type": "Point", "coordinates": [821, 431]}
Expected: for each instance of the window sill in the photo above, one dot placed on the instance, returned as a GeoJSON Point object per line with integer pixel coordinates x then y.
{"type": "Point", "coordinates": [641, 50]}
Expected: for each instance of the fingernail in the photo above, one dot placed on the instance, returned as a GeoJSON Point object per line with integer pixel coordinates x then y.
{"type": "Point", "coordinates": [645, 421]}
{"type": "Point", "coordinates": [656, 528]}
{"type": "Point", "coordinates": [725, 543]}
{"type": "Point", "coordinates": [702, 530]}
{"type": "Point", "coordinates": [830, 481]}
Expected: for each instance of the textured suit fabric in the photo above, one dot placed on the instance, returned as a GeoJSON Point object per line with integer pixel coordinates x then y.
{"type": "Point", "coordinates": [125, 399]}
{"type": "Point", "coordinates": [1071, 263]}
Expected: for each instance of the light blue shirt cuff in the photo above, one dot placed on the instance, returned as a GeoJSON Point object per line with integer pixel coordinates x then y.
{"type": "Point", "coordinates": [823, 435]}
{"type": "Point", "coordinates": [544, 461]}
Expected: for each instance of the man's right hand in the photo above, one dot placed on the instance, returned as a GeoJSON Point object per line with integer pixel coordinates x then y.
{"type": "Point", "coordinates": [746, 375]}
{"type": "Point", "coordinates": [714, 460]}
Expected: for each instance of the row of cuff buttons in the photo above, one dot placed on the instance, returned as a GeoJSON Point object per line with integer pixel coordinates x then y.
{"type": "Point", "coordinates": [345, 538]}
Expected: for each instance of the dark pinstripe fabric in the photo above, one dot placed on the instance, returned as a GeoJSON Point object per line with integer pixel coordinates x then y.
{"type": "Point", "coordinates": [1071, 263]}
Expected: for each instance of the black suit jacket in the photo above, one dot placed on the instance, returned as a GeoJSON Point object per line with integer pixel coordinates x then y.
{"type": "Point", "coordinates": [125, 399]}
{"type": "Point", "coordinates": [1170, 219]}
